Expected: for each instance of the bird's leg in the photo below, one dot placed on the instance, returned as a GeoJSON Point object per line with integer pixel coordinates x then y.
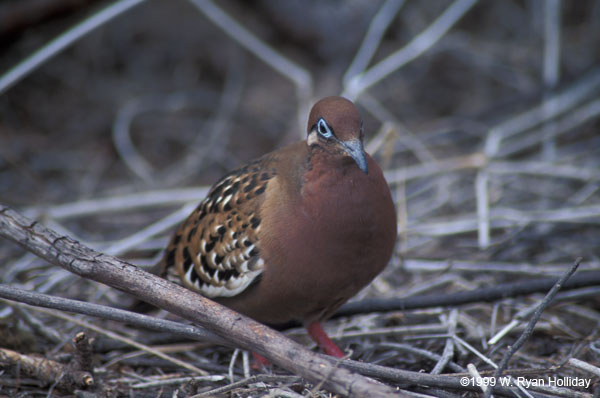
{"type": "Point", "coordinates": [315, 330]}
{"type": "Point", "coordinates": [259, 362]}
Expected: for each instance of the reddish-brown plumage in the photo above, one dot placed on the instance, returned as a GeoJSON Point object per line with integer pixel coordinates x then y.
{"type": "Point", "coordinates": [324, 226]}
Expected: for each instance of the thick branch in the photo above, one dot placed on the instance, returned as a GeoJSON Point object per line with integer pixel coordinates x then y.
{"type": "Point", "coordinates": [244, 332]}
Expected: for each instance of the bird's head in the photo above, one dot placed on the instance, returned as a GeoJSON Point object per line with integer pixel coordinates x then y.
{"type": "Point", "coordinates": [335, 125]}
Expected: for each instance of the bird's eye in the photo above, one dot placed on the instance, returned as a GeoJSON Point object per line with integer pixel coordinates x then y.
{"type": "Point", "coordinates": [324, 129]}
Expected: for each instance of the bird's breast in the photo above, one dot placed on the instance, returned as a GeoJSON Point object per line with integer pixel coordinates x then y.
{"type": "Point", "coordinates": [342, 216]}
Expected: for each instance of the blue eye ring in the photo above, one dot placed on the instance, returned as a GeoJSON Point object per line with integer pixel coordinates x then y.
{"type": "Point", "coordinates": [323, 129]}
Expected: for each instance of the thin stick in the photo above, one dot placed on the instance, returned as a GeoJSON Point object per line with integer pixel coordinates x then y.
{"type": "Point", "coordinates": [559, 103]}
{"type": "Point", "coordinates": [412, 50]}
{"type": "Point", "coordinates": [551, 42]}
{"type": "Point", "coordinates": [151, 230]}
{"type": "Point", "coordinates": [475, 373]}
{"type": "Point", "coordinates": [545, 169]}
{"type": "Point", "coordinates": [506, 218]}
{"type": "Point", "coordinates": [104, 312]}
{"type": "Point", "coordinates": [63, 41]}
{"type": "Point", "coordinates": [502, 267]}
{"type": "Point", "coordinates": [298, 75]}
{"type": "Point", "coordinates": [424, 353]}
{"type": "Point", "coordinates": [390, 122]}
{"type": "Point", "coordinates": [443, 166]}
{"type": "Point", "coordinates": [582, 365]}
{"type": "Point", "coordinates": [491, 293]}
{"type": "Point", "coordinates": [125, 340]}
{"type": "Point", "coordinates": [212, 146]}
{"type": "Point", "coordinates": [582, 114]}
{"type": "Point", "coordinates": [177, 381]}
{"type": "Point", "coordinates": [121, 133]}
{"type": "Point", "coordinates": [372, 39]}
{"type": "Point", "coordinates": [119, 203]}
{"type": "Point", "coordinates": [483, 209]}
{"type": "Point", "coordinates": [247, 381]}
{"type": "Point", "coordinates": [536, 316]}
{"type": "Point", "coordinates": [551, 67]}
{"type": "Point", "coordinates": [448, 352]}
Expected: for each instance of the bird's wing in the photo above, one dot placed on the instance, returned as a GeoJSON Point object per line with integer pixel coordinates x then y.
{"type": "Point", "coordinates": [216, 251]}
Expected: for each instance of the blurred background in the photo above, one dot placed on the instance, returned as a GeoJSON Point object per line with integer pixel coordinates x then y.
{"type": "Point", "coordinates": [485, 116]}
{"type": "Point", "coordinates": [174, 93]}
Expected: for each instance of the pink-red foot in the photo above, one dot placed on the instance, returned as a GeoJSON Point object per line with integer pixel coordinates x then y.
{"type": "Point", "coordinates": [315, 330]}
{"type": "Point", "coordinates": [260, 362]}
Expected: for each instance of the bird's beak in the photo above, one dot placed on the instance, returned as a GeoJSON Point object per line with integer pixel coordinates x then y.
{"type": "Point", "coordinates": [355, 149]}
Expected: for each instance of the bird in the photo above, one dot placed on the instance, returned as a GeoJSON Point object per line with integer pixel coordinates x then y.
{"type": "Point", "coordinates": [294, 234]}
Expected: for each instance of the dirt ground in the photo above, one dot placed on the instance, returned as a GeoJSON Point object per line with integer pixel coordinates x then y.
{"type": "Point", "coordinates": [487, 130]}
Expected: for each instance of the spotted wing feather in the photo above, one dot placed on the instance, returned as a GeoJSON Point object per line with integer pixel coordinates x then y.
{"type": "Point", "coordinates": [216, 251]}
